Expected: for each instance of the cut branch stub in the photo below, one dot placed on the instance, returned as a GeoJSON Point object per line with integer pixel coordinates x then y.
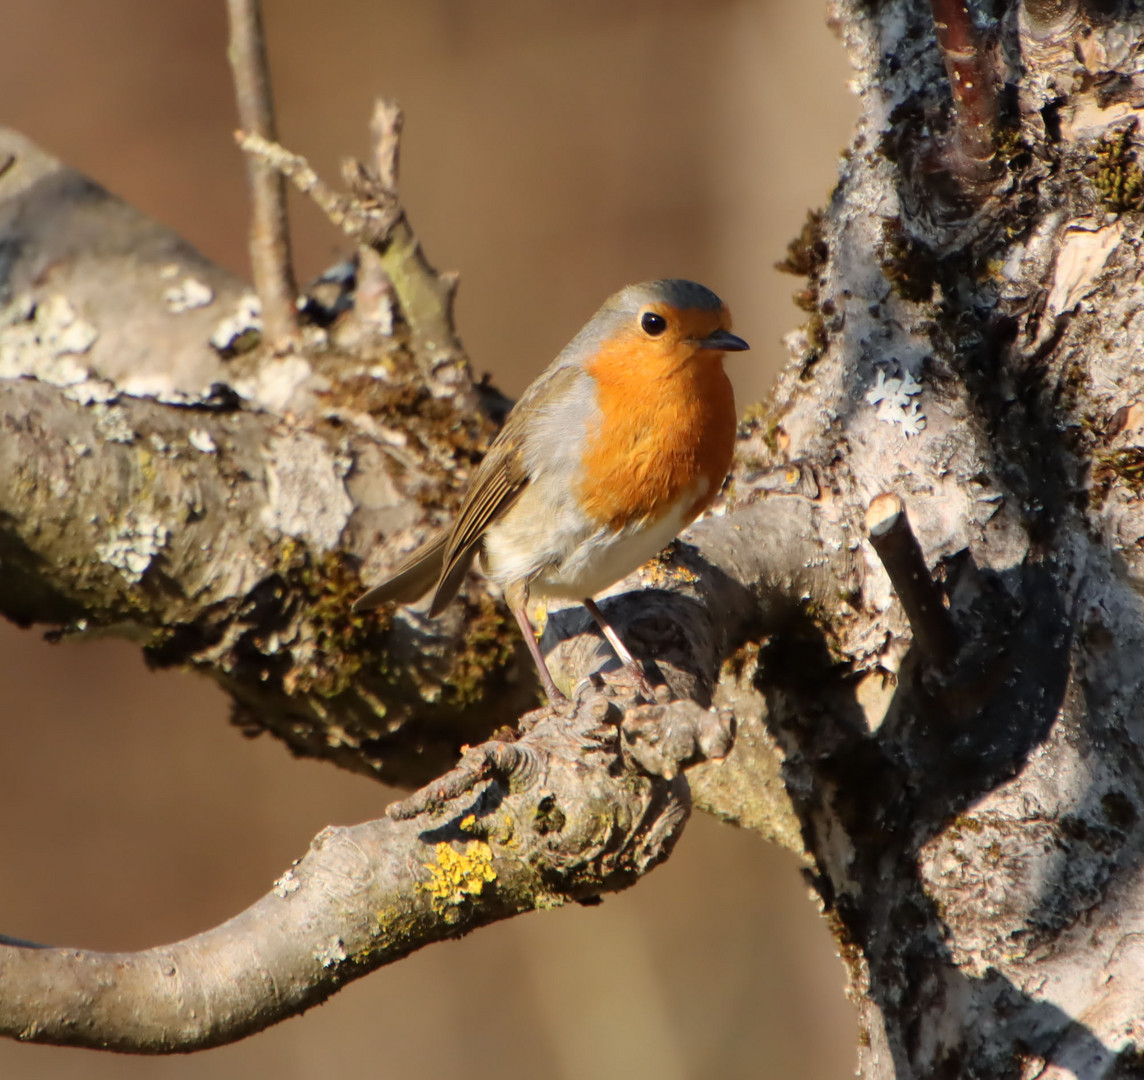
{"type": "Point", "coordinates": [972, 157]}
{"type": "Point", "coordinates": [1044, 16]}
{"type": "Point", "coordinates": [901, 555]}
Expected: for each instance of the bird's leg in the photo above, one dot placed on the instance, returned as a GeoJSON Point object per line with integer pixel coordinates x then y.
{"type": "Point", "coordinates": [517, 600]}
{"type": "Point", "coordinates": [634, 667]}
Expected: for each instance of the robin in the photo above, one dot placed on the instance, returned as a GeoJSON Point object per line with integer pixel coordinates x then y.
{"type": "Point", "coordinates": [617, 446]}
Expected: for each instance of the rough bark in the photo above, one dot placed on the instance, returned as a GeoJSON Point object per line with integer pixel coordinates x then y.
{"type": "Point", "coordinates": [976, 830]}
{"type": "Point", "coordinates": [970, 813]}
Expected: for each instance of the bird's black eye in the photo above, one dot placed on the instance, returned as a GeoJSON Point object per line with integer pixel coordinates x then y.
{"type": "Point", "coordinates": [653, 324]}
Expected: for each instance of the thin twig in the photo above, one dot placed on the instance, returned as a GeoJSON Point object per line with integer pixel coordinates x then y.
{"type": "Point", "coordinates": [386, 126]}
{"type": "Point", "coordinates": [270, 258]}
{"type": "Point", "coordinates": [901, 555]}
{"type": "Point", "coordinates": [372, 215]}
{"type": "Point", "coordinates": [374, 288]}
{"type": "Point", "coordinates": [367, 224]}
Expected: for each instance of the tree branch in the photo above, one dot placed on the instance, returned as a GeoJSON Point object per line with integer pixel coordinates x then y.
{"type": "Point", "coordinates": [270, 258]}
{"type": "Point", "coordinates": [219, 512]}
{"type": "Point", "coordinates": [898, 548]}
{"type": "Point", "coordinates": [973, 84]}
{"type": "Point", "coordinates": [372, 215]}
{"type": "Point", "coordinates": [565, 815]}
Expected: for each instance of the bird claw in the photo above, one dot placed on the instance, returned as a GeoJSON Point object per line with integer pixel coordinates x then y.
{"type": "Point", "coordinates": [627, 678]}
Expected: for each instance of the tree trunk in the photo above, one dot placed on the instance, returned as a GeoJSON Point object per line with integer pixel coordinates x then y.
{"type": "Point", "coordinates": [976, 825]}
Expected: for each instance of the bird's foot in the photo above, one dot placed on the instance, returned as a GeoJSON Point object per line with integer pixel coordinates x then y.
{"type": "Point", "coordinates": [627, 680]}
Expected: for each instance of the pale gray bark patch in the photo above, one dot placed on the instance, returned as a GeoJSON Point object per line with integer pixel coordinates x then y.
{"type": "Point", "coordinates": [306, 495]}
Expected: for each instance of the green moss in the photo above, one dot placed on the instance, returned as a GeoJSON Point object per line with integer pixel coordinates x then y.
{"type": "Point", "coordinates": [738, 661]}
{"type": "Point", "coordinates": [489, 645]}
{"type": "Point", "coordinates": [908, 265]}
{"type": "Point", "coordinates": [806, 256]}
{"type": "Point", "coordinates": [764, 418]}
{"type": "Point", "coordinates": [1125, 465]}
{"type": "Point", "coordinates": [1116, 175]}
{"type": "Point", "coordinates": [1012, 147]}
{"type": "Point", "coordinates": [816, 332]}
{"type": "Point", "coordinates": [807, 252]}
{"type": "Point", "coordinates": [329, 585]}
{"type": "Point", "coordinates": [434, 422]}
{"type": "Point", "coordinates": [967, 823]}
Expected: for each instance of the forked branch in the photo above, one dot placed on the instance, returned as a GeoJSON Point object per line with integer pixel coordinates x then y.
{"type": "Point", "coordinates": [372, 216]}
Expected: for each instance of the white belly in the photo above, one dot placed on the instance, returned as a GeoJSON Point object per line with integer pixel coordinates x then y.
{"type": "Point", "coordinates": [562, 556]}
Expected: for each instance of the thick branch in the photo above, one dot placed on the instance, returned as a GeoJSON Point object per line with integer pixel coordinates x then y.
{"type": "Point", "coordinates": [220, 514]}
{"type": "Point", "coordinates": [565, 819]}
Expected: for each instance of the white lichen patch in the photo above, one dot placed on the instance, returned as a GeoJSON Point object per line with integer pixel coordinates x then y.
{"type": "Point", "coordinates": [42, 339]}
{"type": "Point", "coordinates": [247, 319]}
{"type": "Point", "coordinates": [113, 425]}
{"type": "Point", "coordinates": [287, 884]}
{"type": "Point", "coordinates": [202, 441]}
{"type": "Point", "coordinates": [330, 953]}
{"type": "Point", "coordinates": [276, 382]}
{"type": "Point", "coordinates": [188, 295]}
{"type": "Point", "coordinates": [133, 544]}
{"type": "Point", "coordinates": [307, 497]}
{"type": "Point", "coordinates": [892, 397]}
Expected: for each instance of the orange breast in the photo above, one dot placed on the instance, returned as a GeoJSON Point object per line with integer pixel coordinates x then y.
{"type": "Point", "coordinates": [666, 422]}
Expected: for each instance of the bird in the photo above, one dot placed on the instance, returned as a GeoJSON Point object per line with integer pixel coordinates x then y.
{"type": "Point", "coordinates": [618, 445]}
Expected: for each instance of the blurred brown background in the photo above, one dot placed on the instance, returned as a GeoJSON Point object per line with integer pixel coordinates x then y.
{"type": "Point", "coordinates": [553, 152]}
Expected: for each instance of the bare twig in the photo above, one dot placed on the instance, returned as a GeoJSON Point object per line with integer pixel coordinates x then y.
{"type": "Point", "coordinates": [365, 223]}
{"type": "Point", "coordinates": [374, 218]}
{"type": "Point", "coordinates": [269, 229]}
{"type": "Point", "coordinates": [901, 555]}
{"type": "Point", "coordinates": [386, 125]}
{"type": "Point", "coordinates": [374, 288]}
{"type": "Point", "coordinates": [424, 295]}
{"type": "Point", "coordinates": [973, 156]}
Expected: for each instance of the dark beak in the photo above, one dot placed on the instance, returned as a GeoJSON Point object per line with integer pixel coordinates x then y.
{"type": "Point", "coordinates": [723, 340]}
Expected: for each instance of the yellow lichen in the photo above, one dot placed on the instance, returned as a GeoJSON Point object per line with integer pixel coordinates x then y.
{"type": "Point", "coordinates": [453, 874]}
{"type": "Point", "coordinates": [662, 570]}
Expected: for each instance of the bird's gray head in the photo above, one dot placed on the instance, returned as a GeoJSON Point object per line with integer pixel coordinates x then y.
{"type": "Point", "coordinates": [669, 316]}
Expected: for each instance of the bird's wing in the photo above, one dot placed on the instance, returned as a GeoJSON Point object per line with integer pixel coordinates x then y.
{"type": "Point", "coordinates": [412, 579]}
{"type": "Point", "coordinates": [500, 478]}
